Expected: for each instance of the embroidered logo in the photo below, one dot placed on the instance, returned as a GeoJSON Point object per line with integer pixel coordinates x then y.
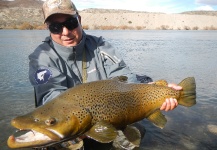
{"type": "Point", "coordinates": [42, 76]}
{"type": "Point", "coordinates": [54, 3]}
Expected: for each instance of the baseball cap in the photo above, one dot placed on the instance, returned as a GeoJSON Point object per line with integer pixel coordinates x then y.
{"type": "Point", "coordinates": [51, 7]}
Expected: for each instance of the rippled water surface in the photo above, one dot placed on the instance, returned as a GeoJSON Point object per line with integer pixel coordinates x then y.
{"type": "Point", "coordinates": [170, 55]}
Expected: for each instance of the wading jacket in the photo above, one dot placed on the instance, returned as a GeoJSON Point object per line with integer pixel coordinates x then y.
{"type": "Point", "coordinates": [54, 68]}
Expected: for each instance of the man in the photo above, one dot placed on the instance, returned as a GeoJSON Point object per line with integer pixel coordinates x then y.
{"type": "Point", "coordinates": [69, 56]}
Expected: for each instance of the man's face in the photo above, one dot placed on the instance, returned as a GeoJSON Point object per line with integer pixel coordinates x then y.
{"type": "Point", "coordinates": [66, 37]}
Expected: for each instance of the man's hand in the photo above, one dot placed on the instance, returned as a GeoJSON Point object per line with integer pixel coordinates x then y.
{"type": "Point", "coordinates": [170, 103]}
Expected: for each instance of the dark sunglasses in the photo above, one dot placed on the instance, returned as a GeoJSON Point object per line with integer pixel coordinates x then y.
{"type": "Point", "coordinates": [70, 24]}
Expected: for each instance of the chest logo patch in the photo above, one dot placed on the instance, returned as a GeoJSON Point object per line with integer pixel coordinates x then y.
{"type": "Point", "coordinates": [42, 76]}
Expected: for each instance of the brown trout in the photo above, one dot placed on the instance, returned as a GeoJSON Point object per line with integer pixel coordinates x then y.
{"type": "Point", "coordinates": [98, 109]}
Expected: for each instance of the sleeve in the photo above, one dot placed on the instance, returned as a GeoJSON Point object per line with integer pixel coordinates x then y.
{"type": "Point", "coordinates": [114, 65]}
{"type": "Point", "coordinates": [46, 77]}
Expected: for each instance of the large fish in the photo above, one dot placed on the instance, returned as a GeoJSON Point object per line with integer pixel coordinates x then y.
{"type": "Point", "coordinates": [98, 109]}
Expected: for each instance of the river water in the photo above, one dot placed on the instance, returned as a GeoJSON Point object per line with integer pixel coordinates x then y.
{"type": "Point", "coordinates": [169, 55]}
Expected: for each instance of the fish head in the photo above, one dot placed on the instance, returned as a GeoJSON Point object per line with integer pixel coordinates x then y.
{"type": "Point", "coordinates": [48, 126]}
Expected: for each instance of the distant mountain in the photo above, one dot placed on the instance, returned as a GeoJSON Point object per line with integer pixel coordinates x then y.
{"type": "Point", "coordinates": [208, 13]}
{"type": "Point", "coordinates": [21, 3]}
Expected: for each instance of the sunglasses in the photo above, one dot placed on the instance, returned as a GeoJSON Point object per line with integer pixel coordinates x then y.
{"type": "Point", "coordinates": [70, 24]}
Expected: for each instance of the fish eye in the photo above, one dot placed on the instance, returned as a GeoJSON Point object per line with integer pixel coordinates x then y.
{"type": "Point", "coordinates": [50, 121]}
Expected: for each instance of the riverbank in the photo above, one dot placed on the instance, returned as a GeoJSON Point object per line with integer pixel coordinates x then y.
{"type": "Point", "coordinates": [148, 21]}
{"type": "Point", "coordinates": [31, 18]}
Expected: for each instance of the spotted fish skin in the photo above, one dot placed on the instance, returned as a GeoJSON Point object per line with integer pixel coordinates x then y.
{"type": "Point", "coordinates": [121, 103]}
{"type": "Point", "coordinates": [103, 106]}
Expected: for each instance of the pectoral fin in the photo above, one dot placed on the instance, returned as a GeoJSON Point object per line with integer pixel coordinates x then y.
{"type": "Point", "coordinates": [102, 132]}
{"type": "Point", "coordinates": [158, 119]}
{"type": "Point", "coordinates": [72, 144]}
{"type": "Point", "coordinates": [133, 135]}
{"type": "Point", "coordinates": [127, 139]}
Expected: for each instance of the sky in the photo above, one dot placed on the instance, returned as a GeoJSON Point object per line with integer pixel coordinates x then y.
{"type": "Point", "coordinates": [165, 6]}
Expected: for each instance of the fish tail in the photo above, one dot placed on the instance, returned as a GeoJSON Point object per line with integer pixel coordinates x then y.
{"type": "Point", "coordinates": [188, 93]}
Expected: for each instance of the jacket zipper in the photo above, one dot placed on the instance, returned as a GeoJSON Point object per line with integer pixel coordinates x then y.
{"type": "Point", "coordinates": [74, 59]}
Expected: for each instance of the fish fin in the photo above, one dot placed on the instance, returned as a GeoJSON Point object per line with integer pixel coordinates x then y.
{"type": "Point", "coordinates": [158, 119]}
{"type": "Point", "coordinates": [73, 144]}
{"type": "Point", "coordinates": [161, 82]}
{"type": "Point", "coordinates": [127, 139]}
{"type": "Point", "coordinates": [188, 92]}
{"type": "Point", "coordinates": [103, 132]}
{"type": "Point", "coordinates": [133, 135]}
{"type": "Point", "coordinates": [121, 78]}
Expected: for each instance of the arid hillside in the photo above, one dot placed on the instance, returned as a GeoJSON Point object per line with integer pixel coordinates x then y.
{"type": "Point", "coordinates": [27, 14]}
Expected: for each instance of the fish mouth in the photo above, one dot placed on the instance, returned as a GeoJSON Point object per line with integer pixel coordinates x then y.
{"type": "Point", "coordinates": [29, 138]}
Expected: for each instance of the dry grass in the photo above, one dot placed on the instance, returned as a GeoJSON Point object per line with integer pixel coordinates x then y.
{"type": "Point", "coordinates": [85, 27]}
{"type": "Point", "coordinates": [164, 27]}
{"type": "Point", "coordinates": [40, 27]}
{"type": "Point", "coordinates": [187, 28]}
{"type": "Point", "coordinates": [27, 26]}
{"type": "Point", "coordinates": [125, 27]}
{"type": "Point", "coordinates": [210, 28]}
{"type": "Point", "coordinates": [195, 28]}
{"type": "Point", "coordinates": [107, 27]}
{"type": "Point", "coordinates": [140, 27]}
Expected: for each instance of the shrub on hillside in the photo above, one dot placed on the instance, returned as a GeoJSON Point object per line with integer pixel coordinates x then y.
{"type": "Point", "coordinates": [140, 27]}
{"type": "Point", "coordinates": [195, 28]}
{"type": "Point", "coordinates": [125, 28]}
{"type": "Point", "coordinates": [210, 28]}
{"type": "Point", "coordinates": [108, 27]}
{"type": "Point", "coordinates": [85, 27]}
{"type": "Point", "coordinates": [164, 27]}
{"type": "Point", "coordinates": [187, 28]}
{"type": "Point", "coordinates": [26, 26]}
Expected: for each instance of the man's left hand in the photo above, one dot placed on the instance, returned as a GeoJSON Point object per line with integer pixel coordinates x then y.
{"type": "Point", "coordinates": [171, 103]}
